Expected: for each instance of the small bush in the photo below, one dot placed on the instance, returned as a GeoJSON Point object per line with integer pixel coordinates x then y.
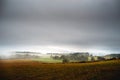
{"type": "Point", "coordinates": [66, 60]}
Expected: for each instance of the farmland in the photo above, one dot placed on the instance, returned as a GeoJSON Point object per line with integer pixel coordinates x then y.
{"type": "Point", "coordinates": [36, 70]}
{"type": "Point", "coordinates": [48, 60]}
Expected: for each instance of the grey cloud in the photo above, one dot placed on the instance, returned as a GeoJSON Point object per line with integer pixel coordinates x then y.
{"type": "Point", "coordinates": [78, 9]}
{"type": "Point", "coordinates": [83, 23]}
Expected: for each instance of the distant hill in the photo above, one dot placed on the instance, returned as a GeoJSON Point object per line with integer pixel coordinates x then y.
{"type": "Point", "coordinates": [27, 52]}
{"type": "Point", "coordinates": [110, 56]}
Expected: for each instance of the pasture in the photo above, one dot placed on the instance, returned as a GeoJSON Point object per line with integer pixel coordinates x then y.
{"type": "Point", "coordinates": [35, 70]}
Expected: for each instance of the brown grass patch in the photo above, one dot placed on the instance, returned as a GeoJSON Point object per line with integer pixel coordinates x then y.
{"type": "Point", "coordinates": [32, 70]}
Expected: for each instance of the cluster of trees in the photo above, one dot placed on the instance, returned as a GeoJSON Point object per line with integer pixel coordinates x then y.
{"type": "Point", "coordinates": [24, 56]}
{"type": "Point", "coordinates": [72, 57]}
{"type": "Point", "coordinates": [64, 58]}
{"type": "Point", "coordinates": [81, 57]}
{"type": "Point", "coordinates": [112, 56]}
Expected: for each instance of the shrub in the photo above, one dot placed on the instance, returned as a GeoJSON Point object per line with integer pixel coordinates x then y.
{"type": "Point", "coordinates": [65, 60]}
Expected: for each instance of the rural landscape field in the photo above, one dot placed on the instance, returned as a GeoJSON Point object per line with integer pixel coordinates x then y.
{"type": "Point", "coordinates": [59, 39]}
{"type": "Point", "coordinates": [36, 70]}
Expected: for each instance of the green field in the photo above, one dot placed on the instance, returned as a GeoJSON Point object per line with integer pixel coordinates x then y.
{"type": "Point", "coordinates": [35, 70]}
{"type": "Point", "coordinates": [48, 60]}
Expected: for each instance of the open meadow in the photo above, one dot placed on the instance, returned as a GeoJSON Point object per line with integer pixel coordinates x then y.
{"type": "Point", "coordinates": [35, 70]}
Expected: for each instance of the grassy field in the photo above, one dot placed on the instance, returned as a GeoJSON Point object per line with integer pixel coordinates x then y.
{"type": "Point", "coordinates": [34, 70]}
{"type": "Point", "coordinates": [48, 60]}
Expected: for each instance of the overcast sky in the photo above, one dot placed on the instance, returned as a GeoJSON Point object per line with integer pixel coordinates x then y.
{"type": "Point", "coordinates": [66, 25]}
